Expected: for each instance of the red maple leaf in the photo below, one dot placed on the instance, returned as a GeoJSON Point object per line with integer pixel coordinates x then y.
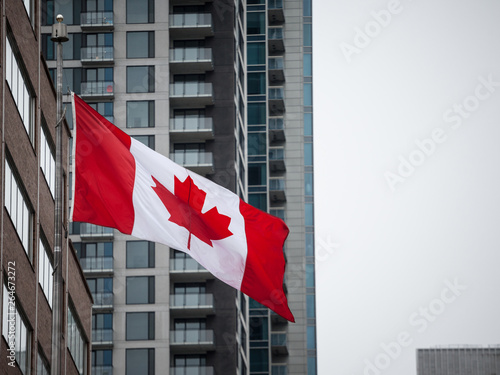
{"type": "Point", "coordinates": [185, 207]}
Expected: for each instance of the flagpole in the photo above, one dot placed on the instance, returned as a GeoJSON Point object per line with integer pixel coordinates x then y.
{"type": "Point", "coordinates": [59, 35]}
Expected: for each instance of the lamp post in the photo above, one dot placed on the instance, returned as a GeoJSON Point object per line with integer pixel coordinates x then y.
{"type": "Point", "coordinates": [59, 35]}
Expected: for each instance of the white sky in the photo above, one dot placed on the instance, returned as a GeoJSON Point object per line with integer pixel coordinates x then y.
{"type": "Point", "coordinates": [383, 254]}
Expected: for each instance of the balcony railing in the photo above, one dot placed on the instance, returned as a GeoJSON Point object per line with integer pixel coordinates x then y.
{"type": "Point", "coordinates": [189, 20]}
{"type": "Point", "coordinates": [98, 88]}
{"type": "Point", "coordinates": [185, 264]}
{"type": "Point", "coordinates": [278, 343]}
{"type": "Point", "coordinates": [277, 184]}
{"type": "Point", "coordinates": [198, 161]}
{"type": "Point", "coordinates": [102, 299]}
{"type": "Point", "coordinates": [190, 54]}
{"type": "Point", "coordinates": [275, 12]}
{"type": "Point", "coordinates": [275, 4]}
{"type": "Point", "coordinates": [201, 336]}
{"type": "Point", "coordinates": [97, 54]}
{"type": "Point", "coordinates": [96, 19]}
{"type": "Point", "coordinates": [275, 40]}
{"type": "Point", "coordinates": [97, 264]}
{"type": "Point", "coordinates": [191, 124]}
{"type": "Point", "coordinates": [183, 89]}
{"type": "Point", "coordinates": [192, 370]}
{"type": "Point", "coordinates": [191, 300]}
{"type": "Point", "coordinates": [276, 63]}
{"type": "Point", "coordinates": [279, 370]}
{"type": "Point", "coordinates": [100, 336]}
{"type": "Point", "coordinates": [276, 93]}
{"type": "Point", "coordinates": [276, 154]}
{"type": "Point", "coordinates": [102, 370]}
{"type": "Point", "coordinates": [95, 231]}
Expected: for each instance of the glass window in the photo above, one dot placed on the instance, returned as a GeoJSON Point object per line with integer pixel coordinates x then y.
{"type": "Point", "coordinates": [257, 174]}
{"type": "Point", "coordinates": [140, 11]}
{"type": "Point", "coordinates": [256, 83]}
{"type": "Point", "coordinates": [307, 8]}
{"type": "Point", "coordinates": [42, 367]}
{"type": "Point", "coordinates": [190, 360]}
{"type": "Point", "coordinates": [258, 200]}
{"type": "Point", "coordinates": [259, 328]}
{"type": "Point", "coordinates": [308, 124]}
{"type": "Point", "coordinates": [19, 212]}
{"type": "Point", "coordinates": [141, 114]}
{"type": "Point", "coordinates": [256, 23]}
{"type": "Point", "coordinates": [308, 182]}
{"type": "Point", "coordinates": [140, 44]}
{"type": "Point", "coordinates": [309, 244]}
{"type": "Point", "coordinates": [45, 270]}
{"type": "Point", "coordinates": [140, 79]}
{"type": "Point", "coordinates": [140, 326]}
{"type": "Point", "coordinates": [140, 289]}
{"type": "Point", "coordinates": [102, 361]}
{"type": "Point", "coordinates": [20, 90]}
{"type": "Point", "coordinates": [257, 144]}
{"type": "Point", "coordinates": [102, 321]}
{"type": "Point", "coordinates": [13, 321]}
{"type": "Point", "coordinates": [311, 365]}
{"type": "Point", "coordinates": [307, 65]}
{"type": "Point", "coordinates": [47, 159]}
{"type": "Point", "coordinates": [140, 254]}
{"type": "Point", "coordinates": [309, 214]}
{"type": "Point", "coordinates": [307, 35]}
{"type": "Point", "coordinates": [256, 113]}
{"type": "Point", "coordinates": [311, 337]}
{"type": "Point", "coordinates": [76, 344]}
{"type": "Point", "coordinates": [308, 100]}
{"type": "Point", "coordinates": [311, 313]}
{"type": "Point", "coordinates": [260, 360]}
{"type": "Point", "coordinates": [309, 275]}
{"type": "Point", "coordinates": [256, 53]}
{"type": "Point", "coordinates": [308, 154]}
{"type": "Point", "coordinates": [101, 289]}
{"type": "Point", "coordinates": [148, 140]}
{"type": "Point", "coordinates": [140, 361]}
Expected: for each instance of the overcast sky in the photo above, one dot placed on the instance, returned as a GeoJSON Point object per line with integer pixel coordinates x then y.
{"type": "Point", "coordinates": [407, 174]}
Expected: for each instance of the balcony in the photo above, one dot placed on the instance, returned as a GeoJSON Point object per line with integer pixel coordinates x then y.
{"type": "Point", "coordinates": [192, 341]}
{"type": "Point", "coordinates": [191, 25]}
{"type": "Point", "coordinates": [103, 300]}
{"type": "Point", "coordinates": [102, 337]}
{"type": "Point", "coordinates": [97, 264]}
{"type": "Point", "coordinates": [96, 21]}
{"type": "Point", "coordinates": [278, 212]}
{"type": "Point", "coordinates": [191, 94]}
{"type": "Point", "coordinates": [192, 370]}
{"type": "Point", "coordinates": [191, 60]}
{"type": "Point", "coordinates": [275, 45]}
{"type": "Point", "coordinates": [98, 89]}
{"type": "Point", "coordinates": [277, 160]}
{"type": "Point", "coordinates": [97, 55]}
{"type": "Point", "coordinates": [191, 129]}
{"type": "Point", "coordinates": [278, 344]}
{"type": "Point", "coordinates": [191, 304]}
{"type": "Point", "coordinates": [188, 269]}
{"type": "Point", "coordinates": [277, 190]}
{"type": "Point", "coordinates": [198, 161]}
{"type": "Point", "coordinates": [91, 232]}
{"type": "Point", "coordinates": [276, 70]}
{"type": "Point", "coordinates": [279, 370]}
{"type": "Point", "coordinates": [102, 370]}
{"type": "Point", "coordinates": [276, 101]}
{"type": "Point", "coordinates": [275, 13]}
{"type": "Point", "coordinates": [276, 130]}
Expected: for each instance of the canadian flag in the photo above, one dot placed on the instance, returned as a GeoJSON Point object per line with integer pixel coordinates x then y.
{"type": "Point", "coordinates": [121, 183]}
